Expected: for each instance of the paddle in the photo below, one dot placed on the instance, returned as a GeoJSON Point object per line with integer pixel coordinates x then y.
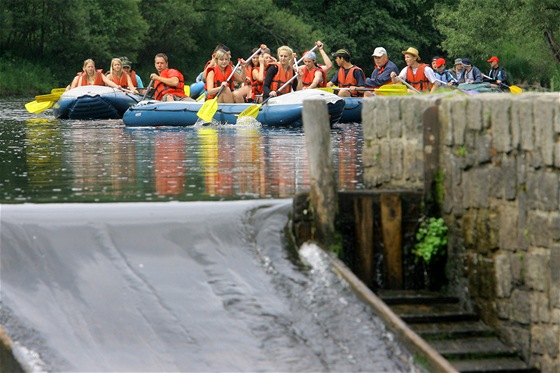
{"type": "Point", "coordinates": [512, 88]}
{"type": "Point", "coordinates": [43, 102]}
{"type": "Point", "coordinates": [148, 89]}
{"type": "Point", "coordinates": [360, 89]}
{"type": "Point", "coordinates": [451, 86]}
{"type": "Point", "coordinates": [253, 110]}
{"type": "Point", "coordinates": [209, 108]}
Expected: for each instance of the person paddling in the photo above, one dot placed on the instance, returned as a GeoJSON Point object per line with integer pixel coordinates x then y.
{"type": "Point", "coordinates": [91, 76]}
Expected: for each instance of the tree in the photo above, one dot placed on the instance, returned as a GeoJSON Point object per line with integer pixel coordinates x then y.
{"type": "Point", "coordinates": [514, 32]}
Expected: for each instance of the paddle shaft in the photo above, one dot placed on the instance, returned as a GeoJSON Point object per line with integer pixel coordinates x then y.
{"type": "Point", "coordinates": [408, 85]}
{"type": "Point", "coordinates": [452, 86]}
{"type": "Point", "coordinates": [496, 81]}
{"type": "Point", "coordinates": [148, 89]}
{"type": "Point", "coordinates": [235, 69]}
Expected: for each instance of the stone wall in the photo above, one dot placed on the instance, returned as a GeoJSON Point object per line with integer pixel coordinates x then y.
{"type": "Point", "coordinates": [499, 155]}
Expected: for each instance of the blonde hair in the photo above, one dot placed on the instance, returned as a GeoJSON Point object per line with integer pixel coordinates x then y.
{"type": "Point", "coordinates": [88, 61]}
{"type": "Point", "coordinates": [113, 60]}
{"type": "Point", "coordinates": [220, 54]}
{"type": "Point", "coordinates": [286, 49]}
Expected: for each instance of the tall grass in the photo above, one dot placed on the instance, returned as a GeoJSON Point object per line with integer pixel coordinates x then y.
{"type": "Point", "coordinates": [23, 78]}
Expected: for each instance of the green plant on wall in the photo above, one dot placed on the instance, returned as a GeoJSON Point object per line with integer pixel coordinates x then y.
{"type": "Point", "coordinates": [431, 239]}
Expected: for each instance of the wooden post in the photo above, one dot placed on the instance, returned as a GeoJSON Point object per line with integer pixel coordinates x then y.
{"type": "Point", "coordinates": [391, 226]}
{"type": "Point", "coordinates": [323, 186]}
{"type": "Point", "coordinates": [363, 218]}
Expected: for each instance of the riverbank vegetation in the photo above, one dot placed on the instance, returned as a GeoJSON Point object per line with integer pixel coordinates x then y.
{"type": "Point", "coordinates": [44, 42]}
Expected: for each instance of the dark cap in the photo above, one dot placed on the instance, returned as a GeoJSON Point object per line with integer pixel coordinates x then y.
{"type": "Point", "coordinates": [466, 62]}
{"type": "Point", "coordinates": [125, 62]}
{"type": "Point", "coordinates": [342, 53]}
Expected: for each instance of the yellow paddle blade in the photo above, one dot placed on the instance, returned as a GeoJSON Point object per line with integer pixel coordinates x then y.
{"type": "Point", "coordinates": [48, 97]}
{"type": "Point", "coordinates": [187, 90]}
{"type": "Point", "coordinates": [202, 97]}
{"type": "Point", "coordinates": [251, 111]}
{"type": "Point", "coordinates": [391, 90]}
{"type": "Point", "coordinates": [208, 109]}
{"type": "Point", "coordinates": [35, 107]}
{"type": "Point", "coordinates": [515, 89]}
{"type": "Point", "coordinates": [326, 89]}
{"type": "Point", "coordinates": [56, 91]}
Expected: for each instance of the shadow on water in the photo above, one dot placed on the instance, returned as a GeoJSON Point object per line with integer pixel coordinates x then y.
{"type": "Point", "coordinates": [148, 286]}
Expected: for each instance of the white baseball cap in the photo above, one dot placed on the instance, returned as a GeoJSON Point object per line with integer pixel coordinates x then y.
{"type": "Point", "coordinates": [379, 51]}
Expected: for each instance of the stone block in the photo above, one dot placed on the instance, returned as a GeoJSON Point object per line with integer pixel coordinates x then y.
{"type": "Point", "coordinates": [396, 159]}
{"type": "Point", "coordinates": [501, 119]}
{"type": "Point", "coordinates": [537, 269]}
{"type": "Point", "coordinates": [510, 183]}
{"type": "Point", "coordinates": [503, 309]}
{"type": "Point", "coordinates": [538, 228]}
{"type": "Point", "coordinates": [496, 180]}
{"type": "Point", "coordinates": [537, 339]}
{"type": "Point", "coordinates": [459, 114]}
{"type": "Point", "coordinates": [524, 115]}
{"type": "Point", "coordinates": [517, 269]}
{"type": "Point", "coordinates": [543, 113]}
{"type": "Point", "coordinates": [557, 154]}
{"type": "Point", "coordinates": [509, 226]}
{"type": "Point", "coordinates": [384, 118]}
{"type": "Point", "coordinates": [474, 114]}
{"type": "Point", "coordinates": [521, 306]}
{"type": "Point", "coordinates": [542, 190]}
{"type": "Point", "coordinates": [554, 265]}
{"type": "Point", "coordinates": [385, 158]}
{"type": "Point", "coordinates": [411, 167]}
{"type": "Point", "coordinates": [396, 119]}
{"type": "Point", "coordinates": [446, 122]}
{"type": "Point", "coordinates": [540, 308]}
{"type": "Point", "coordinates": [504, 278]}
{"type": "Point", "coordinates": [552, 341]}
{"type": "Point", "coordinates": [483, 148]}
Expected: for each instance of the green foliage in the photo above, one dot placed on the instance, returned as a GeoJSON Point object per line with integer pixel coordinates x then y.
{"type": "Point", "coordinates": [21, 77]}
{"type": "Point", "coordinates": [513, 31]}
{"type": "Point", "coordinates": [431, 239]}
{"type": "Point", "coordinates": [61, 34]}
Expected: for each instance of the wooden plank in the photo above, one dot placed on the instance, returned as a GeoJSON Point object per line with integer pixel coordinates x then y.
{"type": "Point", "coordinates": [391, 228]}
{"type": "Point", "coordinates": [363, 217]}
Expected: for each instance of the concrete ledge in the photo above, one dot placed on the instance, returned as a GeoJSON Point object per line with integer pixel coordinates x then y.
{"type": "Point", "coordinates": [424, 354]}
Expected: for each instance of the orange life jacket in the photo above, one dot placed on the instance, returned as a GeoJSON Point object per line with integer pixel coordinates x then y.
{"type": "Point", "coordinates": [418, 80]}
{"type": "Point", "coordinates": [309, 75]}
{"type": "Point", "coordinates": [161, 89]}
{"type": "Point", "coordinates": [346, 80]}
{"type": "Point", "coordinates": [281, 78]}
{"type": "Point", "coordinates": [219, 77]}
{"type": "Point", "coordinates": [256, 86]}
{"type": "Point", "coordinates": [98, 78]}
{"type": "Point", "coordinates": [121, 82]}
{"type": "Point", "coordinates": [133, 78]}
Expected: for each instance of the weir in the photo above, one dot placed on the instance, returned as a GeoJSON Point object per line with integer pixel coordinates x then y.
{"type": "Point", "coordinates": [489, 164]}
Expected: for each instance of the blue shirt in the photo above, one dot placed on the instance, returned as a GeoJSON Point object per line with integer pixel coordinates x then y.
{"type": "Point", "coordinates": [381, 76]}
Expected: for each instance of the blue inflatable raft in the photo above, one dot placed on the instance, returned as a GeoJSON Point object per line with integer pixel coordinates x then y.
{"type": "Point", "coordinates": [285, 110]}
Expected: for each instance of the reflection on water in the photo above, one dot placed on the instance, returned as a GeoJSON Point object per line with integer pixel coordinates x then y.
{"type": "Point", "coordinates": [47, 160]}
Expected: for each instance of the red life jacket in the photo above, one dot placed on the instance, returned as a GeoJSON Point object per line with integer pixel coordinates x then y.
{"type": "Point", "coordinates": [98, 78]}
{"type": "Point", "coordinates": [219, 77]}
{"type": "Point", "coordinates": [161, 89]}
{"type": "Point", "coordinates": [133, 78]}
{"type": "Point", "coordinates": [308, 77]}
{"type": "Point", "coordinates": [121, 82]}
{"type": "Point", "coordinates": [256, 86]}
{"type": "Point", "coordinates": [346, 80]}
{"type": "Point", "coordinates": [281, 78]}
{"type": "Point", "coordinates": [418, 80]}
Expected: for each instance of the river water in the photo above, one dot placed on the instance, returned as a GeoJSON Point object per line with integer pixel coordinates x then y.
{"type": "Point", "coordinates": [195, 275]}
